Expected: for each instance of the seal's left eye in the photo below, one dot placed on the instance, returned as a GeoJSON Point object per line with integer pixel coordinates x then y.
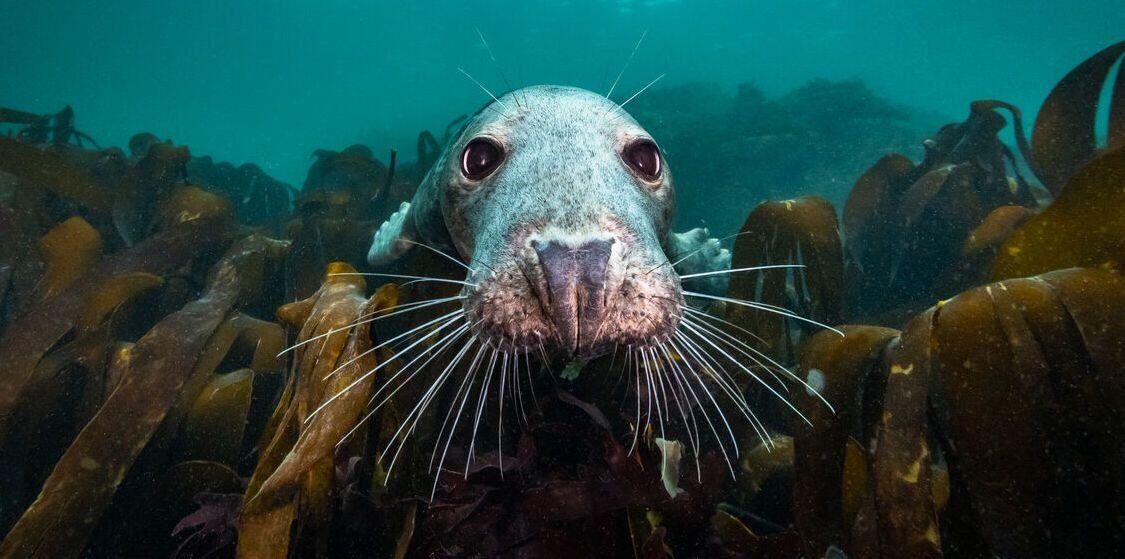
{"type": "Point", "coordinates": [481, 157]}
{"type": "Point", "coordinates": [643, 157]}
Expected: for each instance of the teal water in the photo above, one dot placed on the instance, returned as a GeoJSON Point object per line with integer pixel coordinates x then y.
{"type": "Point", "coordinates": [269, 82]}
{"type": "Point", "coordinates": [948, 326]}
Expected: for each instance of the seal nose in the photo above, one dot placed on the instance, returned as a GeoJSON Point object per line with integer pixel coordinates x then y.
{"type": "Point", "coordinates": [576, 285]}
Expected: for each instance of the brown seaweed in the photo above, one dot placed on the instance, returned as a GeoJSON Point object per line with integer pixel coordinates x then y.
{"type": "Point", "coordinates": [32, 335]}
{"type": "Point", "coordinates": [901, 465]}
{"type": "Point", "coordinates": [86, 476]}
{"type": "Point", "coordinates": [801, 232]}
{"type": "Point", "coordinates": [1016, 372]}
{"type": "Point", "coordinates": [298, 458]}
{"type": "Point", "coordinates": [1063, 139]}
{"type": "Point", "coordinates": [1082, 227]}
{"type": "Point", "coordinates": [70, 250]}
{"type": "Point", "coordinates": [51, 170]}
{"type": "Point", "coordinates": [841, 367]}
{"type": "Point", "coordinates": [905, 224]}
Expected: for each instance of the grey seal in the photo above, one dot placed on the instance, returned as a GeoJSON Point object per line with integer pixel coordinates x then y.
{"type": "Point", "coordinates": [559, 204]}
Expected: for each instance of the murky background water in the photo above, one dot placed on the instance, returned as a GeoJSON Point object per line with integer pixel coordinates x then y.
{"type": "Point", "coordinates": [911, 349]}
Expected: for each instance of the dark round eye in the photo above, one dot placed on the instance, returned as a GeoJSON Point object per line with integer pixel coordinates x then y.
{"type": "Point", "coordinates": [481, 157]}
{"type": "Point", "coordinates": [643, 157]}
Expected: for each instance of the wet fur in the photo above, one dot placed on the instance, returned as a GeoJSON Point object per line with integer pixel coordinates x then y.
{"type": "Point", "coordinates": [563, 179]}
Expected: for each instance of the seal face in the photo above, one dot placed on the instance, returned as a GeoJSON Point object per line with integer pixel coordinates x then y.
{"type": "Point", "coordinates": [559, 203]}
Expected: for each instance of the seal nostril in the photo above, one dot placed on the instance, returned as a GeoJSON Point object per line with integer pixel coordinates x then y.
{"type": "Point", "coordinates": [576, 280]}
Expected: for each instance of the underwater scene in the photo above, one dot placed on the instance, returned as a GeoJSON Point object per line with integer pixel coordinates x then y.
{"type": "Point", "coordinates": [572, 278]}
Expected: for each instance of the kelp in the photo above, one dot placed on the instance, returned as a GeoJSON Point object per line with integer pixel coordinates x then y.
{"type": "Point", "coordinates": [30, 336]}
{"type": "Point", "coordinates": [70, 250]}
{"type": "Point", "coordinates": [1058, 418]}
{"type": "Point", "coordinates": [1063, 139]}
{"type": "Point", "coordinates": [1084, 226]}
{"type": "Point", "coordinates": [1016, 372]}
{"type": "Point", "coordinates": [85, 478]}
{"type": "Point", "coordinates": [842, 368]}
{"type": "Point", "coordinates": [801, 233]}
{"type": "Point", "coordinates": [49, 169]}
{"type": "Point", "coordinates": [901, 465]}
{"type": "Point", "coordinates": [296, 468]}
{"type": "Point", "coordinates": [905, 223]}
{"type": "Point", "coordinates": [137, 199]}
{"type": "Point", "coordinates": [986, 427]}
{"type": "Point", "coordinates": [40, 130]}
{"type": "Point", "coordinates": [258, 198]}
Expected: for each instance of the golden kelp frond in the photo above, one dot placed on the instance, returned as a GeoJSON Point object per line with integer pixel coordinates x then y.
{"type": "Point", "coordinates": [840, 368]}
{"type": "Point", "coordinates": [186, 203]}
{"type": "Point", "coordinates": [1063, 139]}
{"type": "Point", "coordinates": [1084, 226]}
{"type": "Point", "coordinates": [761, 463]}
{"type": "Point", "coordinates": [799, 232]}
{"type": "Point", "coordinates": [30, 336]}
{"type": "Point", "coordinates": [49, 169]}
{"type": "Point", "coordinates": [324, 400]}
{"type": "Point", "coordinates": [216, 421]}
{"type": "Point", "coordinates": [70, 250]}
{"type": "Point", "coordinates": [86, 477]}
{"type": "Point", "coordinates": [1017, 372]}
{"type": "Point", "coordinates": [994, 230]}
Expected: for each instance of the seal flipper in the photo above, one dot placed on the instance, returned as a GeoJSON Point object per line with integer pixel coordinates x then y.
{"type": "Point", "coordinates": [394, 237]}
{"type": "Point", "coordinates": [695, 252]}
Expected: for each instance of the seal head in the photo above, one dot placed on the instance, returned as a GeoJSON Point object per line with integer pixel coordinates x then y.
{"type": "Point", "coordinates": [560, 204]}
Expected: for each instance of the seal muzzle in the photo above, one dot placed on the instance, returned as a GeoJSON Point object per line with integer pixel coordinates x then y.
{"type": "Point", "coordinates": [576, 279]}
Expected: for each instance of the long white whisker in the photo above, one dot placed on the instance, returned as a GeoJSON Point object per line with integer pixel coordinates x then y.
{"type": "Point", "coordinates": [530, 380]}
{"type": "Point", "coordinates": [751, 269]}
{"type": "Point", "coordinates": [500, 414]}
{"type": "Point", "coordinates": [762, 354]}
{"type": "Point", "coordinates": [642, 90]}
{"type": "Point", "coordinates": [665, 380]}
{"type": "Point", "coordinates": [457, 333]}
{"type": "Point", "coordinates": [480, 409]}
{"type": "Point", "coordinates": [486, 90]}
{"type": "Point", "coordinates": [517, 388]}
{"type": "Point", "coordinates": [451, 317]}
{"type": "Point", "coordinates": [637, 376]}
{"type": "Point", "coordinates": [371, 372]}
{"type": "Point", "coordinates": [715, 403]}
{"type": "Point", "coordinates": [401, 276]}
{"type": "Point", "coordinates": [456, 397]}
{"type": "Point", "coordinates": [456, 418]}
{"type": "Point", "coordinates": [703, 314]}
{"type": "Point", "coordinates": [424, 403]}
{"type": "Point", "coordinates": [731, 389]}
{"type": "Point", "coordinates": [654, 375]}
{"type": "Point", "coordinates": [763, 307]}
{"type": "Point", "coordinates": [685, 387]}
{"type": "Point", "coordinates": [497, 66]}
{"type": "Point", "coordinates": [609, 95]}
{"type": "Point", "coordinates": [364, 319]}
{"type": "Point", "coordinates": [433, 351]}
{"type": "Point", "coordinates": [764, 384]}
{"type": "Point", "coordinates": [441, 253]}
{"type": "Point", "coordinates": [728, 387]}
{"type": "Point", "coordinates": [738, 346]}
{"type": "Point", "coordinates": [714, 370]}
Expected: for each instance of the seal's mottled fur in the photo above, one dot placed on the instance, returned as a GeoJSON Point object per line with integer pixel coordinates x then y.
{"type": "Point", "coordinates": [563, 180]}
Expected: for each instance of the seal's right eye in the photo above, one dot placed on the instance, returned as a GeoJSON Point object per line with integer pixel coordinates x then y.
{"type": "Point", "coordinates": [481, 157]}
